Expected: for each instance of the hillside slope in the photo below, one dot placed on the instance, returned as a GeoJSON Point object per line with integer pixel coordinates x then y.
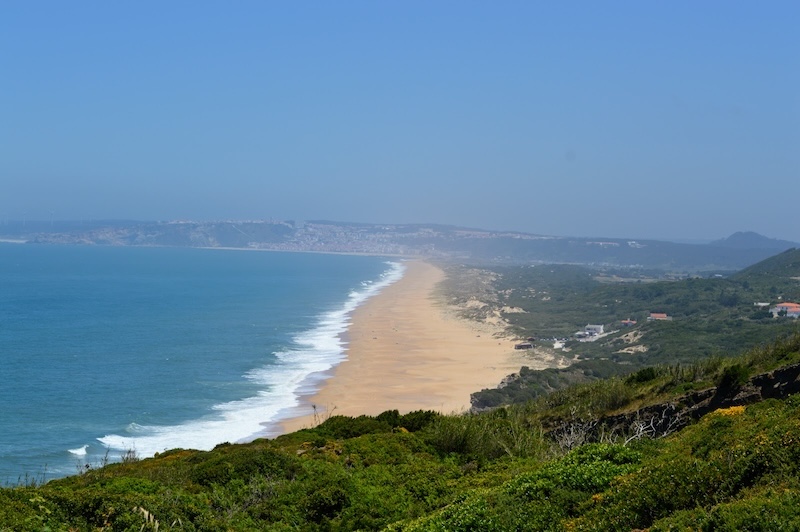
{"type": "Point", "coordinates": [711, 317]}
{"type": "Point", "coordinates": [522, 468]}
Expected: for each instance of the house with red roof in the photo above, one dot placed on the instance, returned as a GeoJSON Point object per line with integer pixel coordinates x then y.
{"type": "Point", "coordinates": [790, 310]}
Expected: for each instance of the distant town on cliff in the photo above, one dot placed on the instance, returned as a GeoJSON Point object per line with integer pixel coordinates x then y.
{"type": "Point", "coordinates": [406, 240]}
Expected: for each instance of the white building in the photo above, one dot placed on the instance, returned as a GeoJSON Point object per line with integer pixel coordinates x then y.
{"type": "Point", "coordinates": [593, 330]}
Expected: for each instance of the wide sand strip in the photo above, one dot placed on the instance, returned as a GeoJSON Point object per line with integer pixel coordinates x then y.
{"type": "Point", "coordinates": [409, 351]}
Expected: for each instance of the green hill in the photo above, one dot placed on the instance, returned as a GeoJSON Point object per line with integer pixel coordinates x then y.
{"type": "Point", "coordinates": [782, 268]}
{"type": "Point", "coordinates": [553, 464]}
{"type": "Point", "coordinates": [707, 317]}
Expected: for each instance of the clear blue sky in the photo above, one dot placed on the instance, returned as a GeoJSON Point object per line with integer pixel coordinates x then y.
{"type": "Point", "coordinates": [618, 119]}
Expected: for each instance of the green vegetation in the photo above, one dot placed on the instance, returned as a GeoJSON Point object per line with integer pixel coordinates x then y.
{"type": "Point", "coordinates": [687, 431]}
{"type": "Point", "coordinates": [560, 300]}
{"type": "Point", "coordinates": [710, 317]}
{"type": "Point", "coordinates": [547, 465]}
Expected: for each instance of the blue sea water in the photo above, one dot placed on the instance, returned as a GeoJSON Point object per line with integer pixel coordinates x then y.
{"type": "Point", "coordinates": [109, 349]}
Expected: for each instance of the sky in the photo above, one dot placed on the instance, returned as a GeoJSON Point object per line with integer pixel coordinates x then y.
{"type": "Point", "coordinates": [666, 120]}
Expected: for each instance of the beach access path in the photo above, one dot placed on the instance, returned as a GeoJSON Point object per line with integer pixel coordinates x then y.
{"type": "Point", "coordinates": [408, 350]}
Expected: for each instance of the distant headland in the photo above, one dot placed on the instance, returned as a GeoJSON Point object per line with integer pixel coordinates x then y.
{"type": "Point", "coordinates": [431, 241]}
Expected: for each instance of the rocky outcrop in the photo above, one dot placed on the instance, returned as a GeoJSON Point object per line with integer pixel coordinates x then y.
{"type": "Point", "coordinates": [662, 419]}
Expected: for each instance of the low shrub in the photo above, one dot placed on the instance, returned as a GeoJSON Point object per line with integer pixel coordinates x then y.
{"type": "Point", "coordinates": [502, 432]}
{"type": "Point", "coordinates": [733, 377]}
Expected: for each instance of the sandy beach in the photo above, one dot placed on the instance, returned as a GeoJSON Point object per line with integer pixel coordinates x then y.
{"type": "Point", "coordinates": [408, 350]}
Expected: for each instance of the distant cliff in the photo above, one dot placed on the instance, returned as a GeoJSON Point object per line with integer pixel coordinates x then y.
{"type": "Point", "coordinates": [665, 418]}
{"type": "Point", "coordinates": [420, 240]}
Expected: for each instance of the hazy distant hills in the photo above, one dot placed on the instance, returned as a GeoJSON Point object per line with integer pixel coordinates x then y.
{"type": "Point", "coordinates": [647, 254]}
{"type": "Point", "coordinates": [426, 240]}
{"type": "Point", "coordinates": [751, 240]}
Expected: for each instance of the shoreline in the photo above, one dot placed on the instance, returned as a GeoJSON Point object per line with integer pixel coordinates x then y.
{"type": "Point", "coordinates": [398, 256]}
{"type": "Point", "coordinates": [406, 349]}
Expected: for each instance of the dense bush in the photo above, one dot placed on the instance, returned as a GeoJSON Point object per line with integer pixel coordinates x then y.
{"type": "Point", "coordinates": [349, 427]}
{"type": "Point", "coordinates": [233, 462]}
{"type": "Point", "coordinates": [643, 375]}
{"type": "Point", "coordinates": [733, 377]}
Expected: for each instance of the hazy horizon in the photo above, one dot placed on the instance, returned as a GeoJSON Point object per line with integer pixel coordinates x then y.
{"type": "Point", "coordinates": [675, 121]}
{"type": "Point", "coordinates": [56, 222]}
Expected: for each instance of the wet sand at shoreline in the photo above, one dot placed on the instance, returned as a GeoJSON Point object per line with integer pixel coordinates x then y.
{"type": "Point", "coordinates": [407, 350]}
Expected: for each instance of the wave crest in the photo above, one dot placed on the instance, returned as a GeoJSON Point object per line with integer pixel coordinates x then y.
{"type": "Point", "coordinates": [299, 372]}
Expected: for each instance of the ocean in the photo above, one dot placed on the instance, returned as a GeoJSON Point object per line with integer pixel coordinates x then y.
{"type": "Point", "coordinates": [109, 350]}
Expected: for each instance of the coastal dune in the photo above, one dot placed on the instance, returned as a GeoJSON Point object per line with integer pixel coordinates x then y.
{"type": "Point", "coordinates": [408, 350]}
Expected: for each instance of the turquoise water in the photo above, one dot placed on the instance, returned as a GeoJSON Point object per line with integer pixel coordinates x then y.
{"type": "Point", "coordinates": [110, 349]}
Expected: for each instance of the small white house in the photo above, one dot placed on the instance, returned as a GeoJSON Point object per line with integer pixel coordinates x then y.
{"type": "Point", "coordinates": [593, 330]}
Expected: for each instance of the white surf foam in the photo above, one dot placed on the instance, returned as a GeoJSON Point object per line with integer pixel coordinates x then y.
{"type": "Point", "coordinates": [298, 372]}
{"type": "Point", "coordinates": [80, 451]}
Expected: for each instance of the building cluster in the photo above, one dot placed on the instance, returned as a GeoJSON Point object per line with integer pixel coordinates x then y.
{"type": "Point", "coordinates": [324, 237]}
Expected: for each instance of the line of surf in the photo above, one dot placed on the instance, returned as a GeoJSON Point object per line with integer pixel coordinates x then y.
{"type": "Point", "coordinates": [300, 368]}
